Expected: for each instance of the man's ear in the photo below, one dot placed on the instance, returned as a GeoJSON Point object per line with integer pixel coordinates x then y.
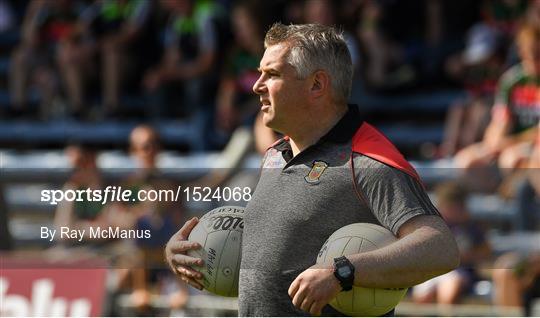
{"type": "Point", "coordinates": [320, 84]}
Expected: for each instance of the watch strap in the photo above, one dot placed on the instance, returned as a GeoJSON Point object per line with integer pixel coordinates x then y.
{"type": "Point", "coordinates": [345, 282]}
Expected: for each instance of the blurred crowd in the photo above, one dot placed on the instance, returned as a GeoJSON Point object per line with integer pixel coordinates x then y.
{"type": "Point", "coordinates": [136, 262]}
{"type": "Point", "coordinates": [93, 60]}
{"type": "Point", "coordinates": [99, 59]}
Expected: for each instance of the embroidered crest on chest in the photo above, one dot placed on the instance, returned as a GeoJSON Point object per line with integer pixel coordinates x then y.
{"type": "Point", "coordinates": [316, 172]}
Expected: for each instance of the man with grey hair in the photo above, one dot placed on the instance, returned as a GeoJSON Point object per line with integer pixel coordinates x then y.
{"type": "Point", "coordinates": [316, 49]}
{"type": "Point", "coordinates": [329, 171]}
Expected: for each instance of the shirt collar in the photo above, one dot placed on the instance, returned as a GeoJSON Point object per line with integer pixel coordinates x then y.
{"type": "Point", "coordinates": [342, 132]}
{"type": "Point", "coordinates": [346, 127]}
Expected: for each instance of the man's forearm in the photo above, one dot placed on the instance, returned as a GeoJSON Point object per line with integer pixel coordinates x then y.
{"type": "Point", "coordinates": [415, 258]}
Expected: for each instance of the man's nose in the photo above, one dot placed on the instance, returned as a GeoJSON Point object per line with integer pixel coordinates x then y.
{"type": "Point", "coordinates": [258, 87]}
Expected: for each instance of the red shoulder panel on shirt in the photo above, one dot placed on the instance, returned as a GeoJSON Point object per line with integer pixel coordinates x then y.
{"type": "Point", "coordinates": [372, 143]}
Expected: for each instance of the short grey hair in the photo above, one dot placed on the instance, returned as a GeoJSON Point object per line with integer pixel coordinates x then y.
{"type": "Point", "coordinates": [315, 47]}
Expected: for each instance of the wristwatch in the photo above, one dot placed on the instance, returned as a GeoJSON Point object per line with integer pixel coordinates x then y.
{"type": "Point", "coordinates": [344, 272]}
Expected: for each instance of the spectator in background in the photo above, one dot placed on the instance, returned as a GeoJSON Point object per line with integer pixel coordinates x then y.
{"type": "Point", "coordinates": [516, 276]}
{"type": "Point", "coordinates": [86, 175]}
{"type": "Point", "coordinates": [144, 147]}
{"type": "Point", "coordinates": [473, 247]}
{"type": "Point", "coordinates": [191, 47]}
{"type": "Point", "coordinates": [7, 17]}
{"type": "Point", "coordinates": [504, 16]}
{"type": "Point", "coordinates": [516, 279]}
{"type": "Point", "coordinates": [118, 32]}
{"type": "Point", "coordinates": [478, 67]}
{"type": "Point", "coordinates": [381, 54]}
{"type": "Point", "coordinates": [46, 25]}
{"type": "Point", "coordinates": [236, 103]}
{"type": "Point", "coordinates": [524, 186]}
{"type": "Point", "coordinates": [325, 12]}
{"type": "Point", "coordinates": [402, 43]}
{"type": "Point", "coordinates": [512, 130]}
{"type": "Point", "coordinates": [160, 217]}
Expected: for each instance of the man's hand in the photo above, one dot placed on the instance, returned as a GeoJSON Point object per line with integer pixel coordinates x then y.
{"type": "Point", "coordinates": [313, 289]}
{"type": "Point", "coordinates": [179, 262]}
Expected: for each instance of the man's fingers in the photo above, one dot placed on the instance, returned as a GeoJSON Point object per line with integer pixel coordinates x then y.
{"type": "Point", "coordinates": [189, 272]}
{"type": "Point", "coordinates": [186, 229]}
{"type": "Point", "coordinates": [306, 304]}
{"type": "Point", "coordinates": [299, 298]}
{"type": "Point", "coordinates": [184, 260]}
{"type": "Point", "coordinates": [293, 288]}
{"type": "Point", "coordinates": [316, 308]}
{"type": "Point", "coordinates": [183, 246]}
{"type": "Point", "coordinates": [192, 282]}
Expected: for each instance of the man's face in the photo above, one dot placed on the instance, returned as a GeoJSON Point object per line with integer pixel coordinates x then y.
{"type": "Point", "coordinates": [144, 145]}
{"type": "Point", "coordinates": [283, 96]}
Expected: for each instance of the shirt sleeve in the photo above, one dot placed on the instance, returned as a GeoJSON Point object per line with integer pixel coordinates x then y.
{"type": "Point", "coordinates": [393, 196]}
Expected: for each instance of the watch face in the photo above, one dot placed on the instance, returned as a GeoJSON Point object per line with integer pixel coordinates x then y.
{"type": "Point", "coordinates": [344, 271]}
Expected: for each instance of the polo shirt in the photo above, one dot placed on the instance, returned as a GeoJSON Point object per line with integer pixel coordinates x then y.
{"type": "Point", "coordinates": [353, 174]}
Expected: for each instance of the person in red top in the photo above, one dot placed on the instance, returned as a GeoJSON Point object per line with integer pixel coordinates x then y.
{"type": "Point", "coordinates": [235, 104]}
{"type": "Point", "coordinates": [513, 127]}
{"type": "Point", "coordinates": [479, 67]}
